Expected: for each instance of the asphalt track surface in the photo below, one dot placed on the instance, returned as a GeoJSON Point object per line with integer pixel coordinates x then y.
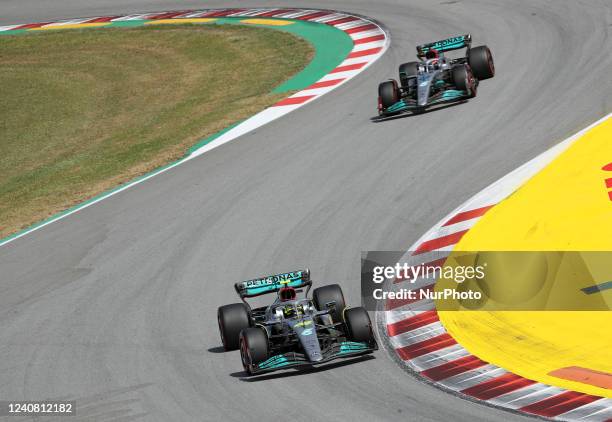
{"type": "Point", "coordinates": [115, 306]}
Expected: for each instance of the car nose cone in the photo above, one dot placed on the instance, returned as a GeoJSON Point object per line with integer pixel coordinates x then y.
{"type": "Point", "coordinates": [307, 335]}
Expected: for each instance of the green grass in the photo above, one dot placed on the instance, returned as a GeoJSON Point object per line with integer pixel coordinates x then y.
{"type": "Point", "coordinates": [84, 110]}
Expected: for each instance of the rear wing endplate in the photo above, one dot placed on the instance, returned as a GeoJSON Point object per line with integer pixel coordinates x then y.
{"type": "Point", "coordinates": [452, 43]}
{"type": "Point", "coordinates": [273, 283]}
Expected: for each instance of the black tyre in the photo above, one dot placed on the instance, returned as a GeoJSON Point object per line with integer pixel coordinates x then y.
{"type": "Point", "coordinates": [464, 80]}
{"type": "Point", "coordinates": [481, 62]}
{"type": "Point", "coordinates": [407, 70]}
{"type": "Point", "coordinates": [328, 294]}
{"type": "Point", "coordinates": [232, 319]}
{"type": "Point", "coordinates": [254, 347]}
{"type": "Point", "coordinates": [358, 324]}
{"type": "Point", "coordinates": [388, 93]}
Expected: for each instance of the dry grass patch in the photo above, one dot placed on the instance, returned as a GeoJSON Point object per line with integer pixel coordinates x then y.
{"type": "Point", "coordinates": [83, 111]}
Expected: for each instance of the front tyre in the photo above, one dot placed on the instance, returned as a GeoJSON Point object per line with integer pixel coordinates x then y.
{"type": "Point", "coordinates": [388, 94]}
{"type": "Point", "coordinates": [358, 325]}
{"type": "Point", "coordinates": [464, 80]}
{"type": "Point", "coordinates": [232, 319]}
{"type": "Point", "coordinates": [481, 62]}
{"type": "Point", "coordinates": [407, 70]}
{"type": "Point", "coordinates": [254, 347]}
{"type": "Point", "coordinates": [325, 295]}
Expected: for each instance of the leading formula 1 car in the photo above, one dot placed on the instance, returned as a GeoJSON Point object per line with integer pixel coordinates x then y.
{"type": "Point", "coordinates": [436, 79]}
{"type": "Point", "coordinates": [293, 332]}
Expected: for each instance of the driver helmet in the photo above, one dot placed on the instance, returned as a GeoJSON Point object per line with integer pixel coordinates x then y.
{"type": "Point", "coordinates": [289, 311]}
{"type": "Point", "coordinates": [286, 293]}
{"type": "Point", "coordinates": [432, 54]}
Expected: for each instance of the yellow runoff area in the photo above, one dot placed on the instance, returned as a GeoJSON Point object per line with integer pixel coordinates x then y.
{"type": "Point", "coordinates": [273, 22]}
{"type": "Point", "coordinates": [565, 207]}
{"type": "Point", "coordinates": [71, 26]}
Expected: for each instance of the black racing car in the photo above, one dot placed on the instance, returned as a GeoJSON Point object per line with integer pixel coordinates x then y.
{"type": "Point", "coordinates": [436, 79]}
{"type": "Point", "coordinates": [293, 332]}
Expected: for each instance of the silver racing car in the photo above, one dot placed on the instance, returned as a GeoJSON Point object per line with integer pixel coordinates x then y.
{"type": "Point", "coordinates": [292, 331]}
{"type": "Point", "coordinates": [435, 78]}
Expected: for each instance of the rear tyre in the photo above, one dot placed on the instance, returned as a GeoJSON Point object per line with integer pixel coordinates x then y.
{"type": "Point", "coordinates": [328, 294]}
{"type": "Point", "coordinates": [481, 62]}
{"type": "Point", "coordinates": [407, 70]}
{"type": "Point", "coordinates": [464, 80]}
{"type": "Point", "coordinates": [254, 347]}
{"type": "Point", "coordinates": [358, 324]}
{"type": "Point", "coordinates": [232, 319]}
{"type": "Point", "coordinates": [388, 93]}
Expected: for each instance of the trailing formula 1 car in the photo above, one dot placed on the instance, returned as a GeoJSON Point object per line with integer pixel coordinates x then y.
{"type": "Point", "coordinates": [293, 332]}
{"type": "Point", "coordinates": [436, 79]}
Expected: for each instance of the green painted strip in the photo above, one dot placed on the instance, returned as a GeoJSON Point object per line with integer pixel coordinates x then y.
{"type": "Point", "coordinates": [123, 24]}
{"type": "Point", "coordinates": [14, 32]}
{"type": "Point", "coordinates": [331, 47]}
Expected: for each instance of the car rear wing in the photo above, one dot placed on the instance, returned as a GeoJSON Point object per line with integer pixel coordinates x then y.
{"type": "Point", "coordinates": [273, 283]}
{"type": "Point", "coordinates": [452, 43]}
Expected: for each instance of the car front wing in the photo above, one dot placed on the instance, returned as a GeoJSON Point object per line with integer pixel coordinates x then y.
{"type": "Point", "coordinates": [338, 350]}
